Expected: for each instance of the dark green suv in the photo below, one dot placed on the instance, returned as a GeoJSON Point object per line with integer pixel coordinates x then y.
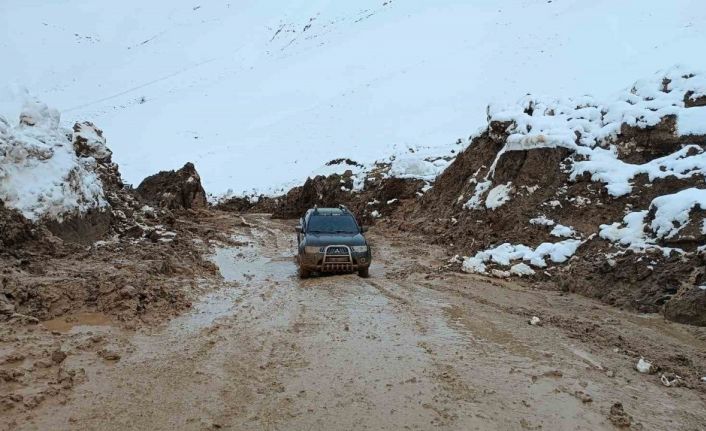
{"type": "Point", "coordinates": [331, 240]}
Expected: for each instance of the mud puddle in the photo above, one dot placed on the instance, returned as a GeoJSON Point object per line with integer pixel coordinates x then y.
{"type": "Point", "coordinates": [244, 268]}
{"type": "Point", "coordinates": [79, 322]}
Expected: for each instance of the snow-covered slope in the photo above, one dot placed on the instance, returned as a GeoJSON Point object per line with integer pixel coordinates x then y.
{"type": "Point", "coordinates": [258, 94]}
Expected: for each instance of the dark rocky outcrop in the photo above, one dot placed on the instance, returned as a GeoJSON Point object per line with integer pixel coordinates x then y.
{"type": "Point", "coordinates": [174, 190]}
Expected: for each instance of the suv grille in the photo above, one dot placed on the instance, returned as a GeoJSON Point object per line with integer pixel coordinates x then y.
{"type": "Point", "coordinates": [337, 251]}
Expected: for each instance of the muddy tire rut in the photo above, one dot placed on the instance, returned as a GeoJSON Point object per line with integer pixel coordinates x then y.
{"type": "Point", "coordinates": [409, 348]}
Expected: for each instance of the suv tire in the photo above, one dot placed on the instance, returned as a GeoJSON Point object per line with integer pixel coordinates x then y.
{"type": "Point", "coordinates": [364, 273]}
{"type": "Point", "coordinates": [304, 273]}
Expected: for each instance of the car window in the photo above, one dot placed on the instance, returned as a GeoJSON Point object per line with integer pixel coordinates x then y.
{"type": "Point", "coordinates": [332, 224]}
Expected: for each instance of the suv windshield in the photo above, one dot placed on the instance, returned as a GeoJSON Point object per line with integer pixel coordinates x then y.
{"type": "Point", "coordinates": [332, 224]}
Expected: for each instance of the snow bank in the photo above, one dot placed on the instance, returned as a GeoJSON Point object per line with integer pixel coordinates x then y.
{"type": "Point", "coordinates": [589, 126]}
{"type": "Point", "coordinates": [505, 254]}
{"type": "Point", "coordinates": [40, 173]}
{"type": "Point", "coordinates": [671, 214]}
{"type": "Point", "coordinates": [672, 211]}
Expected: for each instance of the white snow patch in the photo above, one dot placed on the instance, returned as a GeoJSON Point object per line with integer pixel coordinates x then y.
{"type": "Point", "coordinates": [673, 210]}
{"type": "Point", "coordinates": [562, 231]}
{"type": "Point", "coordinates": [542, 221]}
{"type": "Point", "coordinates": [671, 215]}
{"type": "Point", "coordinates": [504, 254]}
{"type": "Point", "coordinates": [498, 196]}
{"type": "Point", "coordinates": [692, 121]}
{"type": "Point", "coordinates": [521, 269]}
{"type": "Point", "coordinates": [475, 201]}
{"type": "Point", "coordinates": [40, 174]}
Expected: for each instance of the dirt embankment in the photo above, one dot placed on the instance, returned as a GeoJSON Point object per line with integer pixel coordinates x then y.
{"type": "Point", "coordinates": [380, 195]}
{"type": "Point", "coordinates": [133, 262]}
{"type": "Point", "coordinates": [650, 281]}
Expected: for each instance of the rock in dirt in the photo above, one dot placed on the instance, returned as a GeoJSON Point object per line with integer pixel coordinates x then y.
{"type": "Point", "coordinates": [535, 321]}
{"type": "Point", "coordinates": [670, 380]}
{"type": "Point", "coordinates": [583, 396]}
{"type": "Point", "coordinates": [15, 229]}
{"type": "Point", "coordinates": [109, 355]}
{"type": "Point", "coordinates": [618, 417]}
{"type": "Point", "coordinates": [179, 189]}
{"type": "Point", "coordinates": [89, 141]}
{"type": "Point", "coordinates": [58, 356]}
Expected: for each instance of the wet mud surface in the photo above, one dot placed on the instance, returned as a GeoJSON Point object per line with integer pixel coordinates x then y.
{"type": "Point", "coordinates": [411, 347]}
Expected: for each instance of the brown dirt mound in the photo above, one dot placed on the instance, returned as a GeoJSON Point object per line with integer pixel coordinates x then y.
{"type": "Point", "coordinates": [322, 191]}
{"type": "Point", "coordinates": [381, 193]}
{"type": "Point", "coordinates": [173, 190]}
{"type": "Point", "coordinates": [15, 230]}
{"type": "Point", "coordinates": [540, 185]}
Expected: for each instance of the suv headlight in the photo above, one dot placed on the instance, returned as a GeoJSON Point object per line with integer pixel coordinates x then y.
{"type": "Point", "coordinates": [360, 248]}
{"type": "Point", "coordinates": [313, 249]}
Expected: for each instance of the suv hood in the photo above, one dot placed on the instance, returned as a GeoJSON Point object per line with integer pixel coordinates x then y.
{"type": "Point", "coordinates": [324, 239]}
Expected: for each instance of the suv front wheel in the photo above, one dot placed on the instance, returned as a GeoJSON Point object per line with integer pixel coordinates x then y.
{"type": "Point", "coordinates": [364, 272]}
{"type": "Point", "coordinates": [304, 273]}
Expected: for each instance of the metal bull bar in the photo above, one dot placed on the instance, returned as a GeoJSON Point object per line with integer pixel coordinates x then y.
{"type": "Point", "coordinates": [337, 258]}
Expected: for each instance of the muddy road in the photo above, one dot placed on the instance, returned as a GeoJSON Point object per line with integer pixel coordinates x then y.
{"type": "Point", "coordinates": [411, 347]}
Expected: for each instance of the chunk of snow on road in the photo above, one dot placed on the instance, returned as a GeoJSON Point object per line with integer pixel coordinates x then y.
{"type": "Point", "coordinates": [40, 173]}
{"type": "Point", "coordinates": [391, 201]}
{"type": "Point", "coordinates": [375, 214]}
{"type": "Point", "coordinates": [562, 231]}
{"type": "Point", "coordinates": [643, 366]}
{"type": "Point", "coordinates": [534, 321]}
{"type": "Point", "coordinates": [504, 254]}
{"type": "Point", "coordinates": [498, 196]}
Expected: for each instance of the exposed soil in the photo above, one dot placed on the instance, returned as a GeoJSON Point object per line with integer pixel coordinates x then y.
{"type": "Point", "coordinates": [180, 189]}
{"type": "Point", "coordinates": [416, 346]}
{"type": "Point", "coordinates": [647, 282]}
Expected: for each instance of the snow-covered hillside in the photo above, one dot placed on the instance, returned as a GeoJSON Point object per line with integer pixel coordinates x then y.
{"type": "Point", "coordinates": [260, 94]}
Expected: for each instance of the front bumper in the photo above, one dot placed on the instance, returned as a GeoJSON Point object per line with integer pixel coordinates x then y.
{"type": "Point", "coordinates": [335, 262]}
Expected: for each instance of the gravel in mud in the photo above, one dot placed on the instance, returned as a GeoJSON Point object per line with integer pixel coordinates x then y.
{"type": "Point", "coordinates": [411, 347]}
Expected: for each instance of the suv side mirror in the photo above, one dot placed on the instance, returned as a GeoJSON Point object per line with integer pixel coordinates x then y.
{"type": "Point", "coordinates": [363, 229]}
{"type": "Point", "coordinates": [299, 229]}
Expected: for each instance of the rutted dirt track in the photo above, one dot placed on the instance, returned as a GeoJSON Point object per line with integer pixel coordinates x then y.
{"type": "Point", "coordinates": [409, 348]}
